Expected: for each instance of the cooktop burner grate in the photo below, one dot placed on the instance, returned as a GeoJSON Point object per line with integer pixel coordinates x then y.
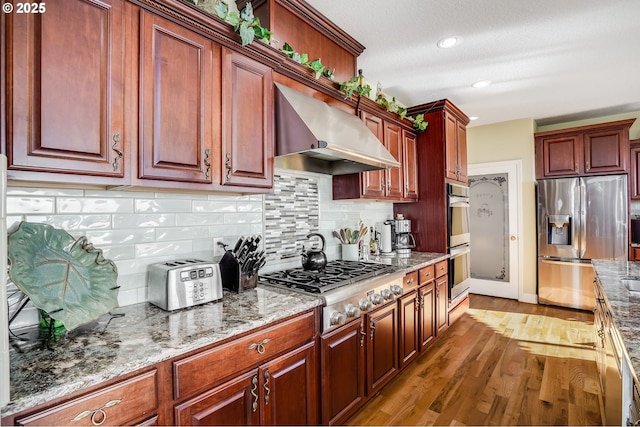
{"type": "Point", "coordinates": [335, 275]}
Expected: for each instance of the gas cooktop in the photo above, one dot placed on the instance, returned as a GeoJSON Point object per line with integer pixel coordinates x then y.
{"type": "Point", "coordinates": [335, 275]}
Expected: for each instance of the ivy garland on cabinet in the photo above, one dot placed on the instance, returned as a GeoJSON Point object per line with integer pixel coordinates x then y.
{"type": "Point", "coordinates": [248, 26]}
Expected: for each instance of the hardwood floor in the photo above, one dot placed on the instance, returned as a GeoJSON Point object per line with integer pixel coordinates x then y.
{"type": "Point", "coordinates": [502, 363]}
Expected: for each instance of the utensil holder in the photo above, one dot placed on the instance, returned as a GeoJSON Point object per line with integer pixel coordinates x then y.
{"type": "Point", "coordinates": [232, 278]}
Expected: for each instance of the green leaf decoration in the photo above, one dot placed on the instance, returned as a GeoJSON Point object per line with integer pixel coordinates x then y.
{"type": "Point", "coordinates": [287, 49]}
{"type": "Point", "coordinates": [233, 18]}
{"type": "Point", "coordinates": [317, 67]}
{"type": "Point", "coordinates": [69, 279]}
{"type": "Point", "coordinates": [246, 33]}
{"type": "Point", "coordinates": [247, 13]}
{"type": "Point", "coordinates": [262, 33]}
{"type": "Point", "coordinates": [221, 10]}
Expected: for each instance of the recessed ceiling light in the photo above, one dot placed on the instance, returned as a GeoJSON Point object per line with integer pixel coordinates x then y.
{"type": "Point", "coordinates": [474, 118]}
{"type": "Point", "coordinates": [447, 42]}
{"type": "Point", "coordinates": [482, 83]}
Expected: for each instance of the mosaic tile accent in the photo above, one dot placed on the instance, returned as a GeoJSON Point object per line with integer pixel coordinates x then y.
{"type": "Point", "coordinates": [290, 213]}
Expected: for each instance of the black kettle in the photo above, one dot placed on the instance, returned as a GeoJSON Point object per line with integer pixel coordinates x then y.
{"type": "Point", "coordinates": [314, 260]}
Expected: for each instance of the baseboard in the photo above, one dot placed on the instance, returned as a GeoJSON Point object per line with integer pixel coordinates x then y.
{"type": "Point", "coordinates": [529, 298]}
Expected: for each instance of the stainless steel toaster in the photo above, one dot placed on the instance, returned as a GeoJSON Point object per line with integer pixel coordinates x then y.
{"type": "Point", "coordinates": [184, 283]}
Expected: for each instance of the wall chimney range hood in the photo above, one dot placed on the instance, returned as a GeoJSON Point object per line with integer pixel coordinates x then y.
{"type": "Point", "coordinates": [313, 136]}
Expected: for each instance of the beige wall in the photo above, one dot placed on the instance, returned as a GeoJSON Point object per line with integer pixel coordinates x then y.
{"type": "Point", "coordinates": [513, 140]}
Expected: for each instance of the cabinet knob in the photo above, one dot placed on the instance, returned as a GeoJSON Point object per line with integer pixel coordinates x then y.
{"type": "Point", "coordinates": [259, 347]}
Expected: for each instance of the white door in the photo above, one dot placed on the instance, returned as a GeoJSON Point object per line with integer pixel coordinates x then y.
{"type": "Point", "coordinates": [495, 227]}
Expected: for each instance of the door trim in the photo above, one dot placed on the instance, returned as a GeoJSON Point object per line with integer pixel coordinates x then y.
{"type": "Point", "coordinates": [515, 167]}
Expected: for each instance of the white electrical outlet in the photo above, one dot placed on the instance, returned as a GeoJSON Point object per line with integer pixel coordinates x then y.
{"type": "Point", "coordinates": [218, 250]}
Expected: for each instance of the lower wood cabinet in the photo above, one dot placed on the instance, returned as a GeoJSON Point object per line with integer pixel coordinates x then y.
{"type": "Point", "coordinates": [281, 392]}
{"type": "Point", "coordinates": [342, 361]}
{"type": "Point", "coordinates": [131, 401]}
{"type": "Point", "coordinates": [382, 346]}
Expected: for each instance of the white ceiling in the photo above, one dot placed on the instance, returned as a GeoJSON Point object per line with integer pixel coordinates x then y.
{"type": "Point", "coordinates": [550, 60]}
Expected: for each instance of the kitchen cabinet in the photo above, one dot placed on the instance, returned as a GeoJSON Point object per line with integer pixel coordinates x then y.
{"type": "Point", "coordinates": [65, 93]}
{"type": "Point", "coordinates": [599, 149]}
{"type": "Point", "coordinates": [442, 296]}
{"type": "Point", "coordinates": [269, 376]}
{"type": "Point", "coordinates": [409, 321]}
{"type": "Point", "coordinates": [397, 184]}
{"type": "Point", "coordinates": [280, 392]}
{"type": "Point", "coordinates": [382, 346]}
{"type": "Point", "coordinates": [634, 173]}
{"type": "Point", "coordinates": [179, 98]}
{"type": "Point", "coordinates": [342, 355]}
{"type": "Point", "coordinates": [126, 402]}
{"type": "Point", "coordinates": [441, 159]}
{"type": "Point", "coordinates": [455, 139]}
{"type": "Point", "coordinates": [427, 306]}
{"type": "Point", "coordinates": [634, 253]}
{"type": "Point", "coordinates": [248, 122]}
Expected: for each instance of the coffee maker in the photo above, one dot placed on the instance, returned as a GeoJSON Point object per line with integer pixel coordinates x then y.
{"type": "Point", "coordinates": [403, 239]}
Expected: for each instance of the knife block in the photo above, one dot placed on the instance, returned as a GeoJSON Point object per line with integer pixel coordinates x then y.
{"type": "Point", "coordinates": [232, 278]}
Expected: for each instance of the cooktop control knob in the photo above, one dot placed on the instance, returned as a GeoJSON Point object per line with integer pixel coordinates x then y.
{"type": "Point", "coordinates": [386, 294]}
{"type": "Point", "coordinates": [352, 310]}
{"type": "Point", "coordinates": [397, 290]}
{"type": "Point", "coordinates": [337, 318]}
{"type": "Point", "coordinates": [365, 304]}
{"type": "Point", "coordinates": [376, 299]}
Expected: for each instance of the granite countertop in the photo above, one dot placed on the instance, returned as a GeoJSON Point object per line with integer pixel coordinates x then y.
{"type": "Point", "coordinates": [415, 261]}
{"type": "Point", "coordinates": [625, 305]}
{"type": "Point", "coordinates": [145, 335]}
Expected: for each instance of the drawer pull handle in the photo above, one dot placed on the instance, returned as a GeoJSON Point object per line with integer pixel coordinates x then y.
{"type": "Point", "coordinates": [207, 163]}
{"type": "Point", "coordinates": [372, 326]}
{"type": "Point", "coordinates": [98, 416]}
{"type": "Point", "coordinates": [259, 347]}
{"type": "Point", "coordinates": [254, 381]}
{"type": "Point", "coordinates": [227, 165]}
{"type": "Point", "coordinates": [116, 140]}
{"type": "Point", "coordinates": [266, 388]}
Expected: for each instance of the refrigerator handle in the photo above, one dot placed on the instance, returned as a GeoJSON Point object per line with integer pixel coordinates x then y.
{"type": "Point", "coordinates": [577, 263]}
{"type": "Point", "coordinates": [583, 217]}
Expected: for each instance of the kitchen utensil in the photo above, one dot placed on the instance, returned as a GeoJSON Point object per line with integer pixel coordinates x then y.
{"type": "Point", "coordinates": [314, 260]}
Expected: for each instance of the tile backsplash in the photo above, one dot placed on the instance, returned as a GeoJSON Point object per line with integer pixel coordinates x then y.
{"type": "Point", "coordinates": [135, 229]}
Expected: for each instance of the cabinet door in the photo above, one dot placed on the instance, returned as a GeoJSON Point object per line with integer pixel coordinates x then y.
{"type": "Point", "coordinates": [451, 147]}
{"type": "Point", "coordinates": [342, 364]}
{"type": "Point", "coordinates": [409, 307]}
{"type": "Point", "coordinates": [606, 151]}
{"type": "Point", "coordinates": [427, 301]}
{"type": "Point", "coordinates": [236, 402]}
{"type": "Point", "coordinates": [290, 389]}
{"type": "Point", "coordinates": [442, 304]}
{"type": "Point", "coordinates": [65, 89]}
{"type": "Point", "coordinates": [176, 102]}
{"type": "Point", "coordinates": [373, 182]}
{"type": "Point", "coordinates": [634, 175]}
{"type": "Point", "coordinates": [410, 165]}
{"type": "Point", "coordinates": [461, 151]}
{"type": "Point", "coordinates": [394, 176]}
{"type": "Point", "coordinates": [558, 155]}
{"type": "Point", "coordinates": [247, 117]}
{"type": "Point", "coordinates": [382, 347]}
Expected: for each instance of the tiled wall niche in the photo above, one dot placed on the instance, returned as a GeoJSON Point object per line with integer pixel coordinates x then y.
{"type": "Point", "coordinates": [135, 229]}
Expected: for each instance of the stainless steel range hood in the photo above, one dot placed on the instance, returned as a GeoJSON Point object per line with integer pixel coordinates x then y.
{"type": "Point", "coordinates": [313, 136]}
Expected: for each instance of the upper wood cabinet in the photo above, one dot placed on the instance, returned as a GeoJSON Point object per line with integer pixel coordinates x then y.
{"type": "Point", "coordinates": [588, 150]}
{"type": "Point", "coordinates": [396, 184]}
{"type": "Point", "coordinates": [634, 176]}
{"type": "Point", "coordinates": [456, 147]}
{"type": "Point", "coordinates": [180, 91]}
{"type": "Point", "coordinates": [65, 92]}
{"type": "Point", "coordinates": [248, 122]}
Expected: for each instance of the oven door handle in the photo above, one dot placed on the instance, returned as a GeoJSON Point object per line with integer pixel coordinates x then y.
{"type": "Point", "coordinates": [459, 250]}
{"type": "Point", "coordinates": [458, 202]}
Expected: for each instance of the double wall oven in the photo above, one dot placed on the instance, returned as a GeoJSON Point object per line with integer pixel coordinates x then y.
{"type": "Point", "coordinates": [459, 238]}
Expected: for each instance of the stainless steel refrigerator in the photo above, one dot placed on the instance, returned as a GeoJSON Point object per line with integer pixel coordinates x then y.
{"type": "Point", "coordinates": [579, 219]}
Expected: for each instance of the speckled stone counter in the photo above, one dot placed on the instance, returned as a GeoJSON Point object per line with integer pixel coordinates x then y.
{"type": "Point", "coordinates": [625, 305]}
{"type": "Point", "coordinates": [145, 335]}
{"type": "Point", "coordinates": [413, 262]}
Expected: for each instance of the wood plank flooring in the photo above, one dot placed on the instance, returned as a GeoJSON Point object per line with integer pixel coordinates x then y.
{"type": "Point", "coordinates": [502, 363]}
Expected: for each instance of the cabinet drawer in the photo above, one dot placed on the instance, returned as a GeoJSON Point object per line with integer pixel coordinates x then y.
{"type": "Point", "coordinates": [410, 280]}
{"type": "Point", "coordinates": [442, 268]}
{"type": "Point", "coordinates": [204, 370]}
{"type": "Point", "coordinates": [124, 403]}
{"type": "Point", "coordinates": [427, 274]}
